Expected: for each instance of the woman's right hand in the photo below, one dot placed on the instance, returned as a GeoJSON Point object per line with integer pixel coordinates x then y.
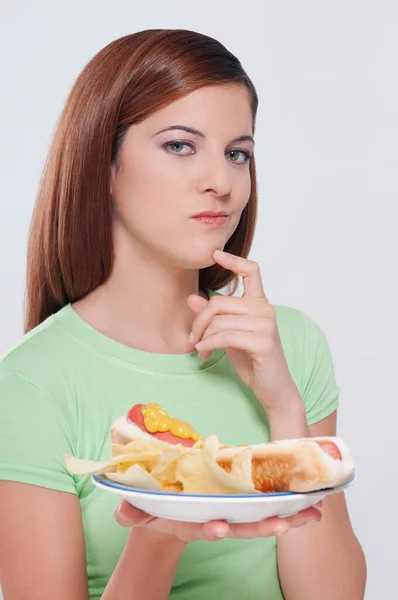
{"type": "Point", "coordinates": [129, 516]}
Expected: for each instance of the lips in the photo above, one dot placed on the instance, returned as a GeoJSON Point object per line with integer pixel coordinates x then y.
{"type": "Point", "coordinates": [210, 213]}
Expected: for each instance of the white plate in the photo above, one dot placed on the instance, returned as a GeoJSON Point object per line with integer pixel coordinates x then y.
{"type": "Point", "coordinates": [200, 508]}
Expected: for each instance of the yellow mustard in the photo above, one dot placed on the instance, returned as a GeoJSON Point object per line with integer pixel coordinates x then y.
{"type": "Point", "coordinates": [157, 420]}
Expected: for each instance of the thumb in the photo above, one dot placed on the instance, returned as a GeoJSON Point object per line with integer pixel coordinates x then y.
{"type": "Point", "coordinates": [196, 303]}
{"type": "Point", "coordinates": [129, 516]}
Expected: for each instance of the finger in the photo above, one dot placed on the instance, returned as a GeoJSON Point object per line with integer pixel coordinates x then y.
{"type": "Point", "coordinates": [266, 528]}
{"type": "Point", "coordinates": [239, 340]}
{"type": "Point", "coordinates": [305, 516]}
{"type": "Point", "coordinates": [196, 303]}
{"type": "Point", "coordinates": [129, 516]}
{"type": "Point", "coordinates": [237, 323]}
{"type": "Point", "coordinates": [221, 323]}
{"type": "Point", "coordinates": [204, 355]}
{"type": "Point", "coordinates": [215, 530]}
{"type": "Point", "coordinates": [247, 269]}
{"type": "Point", "coordinates": [273, 526]}
{"type": "Point", "coordinates": [218, 305]}
{"type": "Point", "coordinates": [188, 532]}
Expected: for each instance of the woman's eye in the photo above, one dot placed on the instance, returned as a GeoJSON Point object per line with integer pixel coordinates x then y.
{"type": "Point", "coordinates": [177, 148]}
{"type": "Point", "coordinates": [240, 157]}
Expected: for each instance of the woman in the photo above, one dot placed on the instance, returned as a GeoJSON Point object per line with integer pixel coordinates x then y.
{"type": "Point", "coordinates": [124, 265]}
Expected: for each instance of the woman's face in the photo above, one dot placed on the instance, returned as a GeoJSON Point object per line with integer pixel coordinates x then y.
{"type": "Point", "coordinates": [169, 174]}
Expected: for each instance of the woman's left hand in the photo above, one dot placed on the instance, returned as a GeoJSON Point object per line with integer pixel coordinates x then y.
{"type": "Point", "coordinates": [247, 330]}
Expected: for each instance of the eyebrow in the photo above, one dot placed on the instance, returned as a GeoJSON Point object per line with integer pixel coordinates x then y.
{"type": "Point", "coordinates": [241, 138]}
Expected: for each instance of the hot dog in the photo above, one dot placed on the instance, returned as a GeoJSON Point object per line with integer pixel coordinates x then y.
{"type": "Point", "coordinates": [155, 421]}
{"type": "Point", "coordinates": [290, 465]}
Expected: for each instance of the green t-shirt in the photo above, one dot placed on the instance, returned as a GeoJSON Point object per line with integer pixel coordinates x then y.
{"type": "Point", "coordinates": [64, 383]}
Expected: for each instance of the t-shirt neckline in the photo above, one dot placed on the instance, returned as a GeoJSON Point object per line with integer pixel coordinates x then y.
{"type": "Point", "coordinates": [69, 320]}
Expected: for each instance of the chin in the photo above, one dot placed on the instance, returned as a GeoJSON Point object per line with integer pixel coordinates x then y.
{"type": "Point", "coordinates": [197, 260]}
{"type": "Point", "coordinates": [197, 253]}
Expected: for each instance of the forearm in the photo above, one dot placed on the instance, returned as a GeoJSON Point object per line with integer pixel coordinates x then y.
{"type": "Point", "coordinates": [146, 568]}
{"type": "Point", "coordinates": [319, 560]}
{"type": "Point", "coordinates": [322, 560]}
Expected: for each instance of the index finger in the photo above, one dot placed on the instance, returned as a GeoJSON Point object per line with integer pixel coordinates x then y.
{"type": "Point", "coordinates": [247, 269]}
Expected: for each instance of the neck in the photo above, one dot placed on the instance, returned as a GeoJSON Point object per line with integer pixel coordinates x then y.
{"type": "Point", "coordinates": [143, 304]}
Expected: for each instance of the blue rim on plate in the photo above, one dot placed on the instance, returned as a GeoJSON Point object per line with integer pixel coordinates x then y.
{"type": "Point", "coordinates": [125, 488]}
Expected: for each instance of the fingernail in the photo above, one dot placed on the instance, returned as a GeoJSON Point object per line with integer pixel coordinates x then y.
{"type": "Point", "coordinates": [119, 517]}
{"type": "Point", "coordinates": [221, 530]}
{"type": "Point", "coordinates": [281, 530]}
{"type": "Point", "coordinates": [191, 338]}
{"type": "Point", "coordinates": [314, 519]}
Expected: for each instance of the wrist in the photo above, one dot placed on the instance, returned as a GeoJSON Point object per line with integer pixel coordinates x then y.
{"type": "Point", "coordinates": [145, 553]}
{"type": "Point", "coordinates": [155, 541]}
{"type": "Point", "coordinates": [288, 420]}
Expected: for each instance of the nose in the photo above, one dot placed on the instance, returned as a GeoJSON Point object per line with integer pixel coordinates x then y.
{"type": "Point", "coordinates": [215, 176]}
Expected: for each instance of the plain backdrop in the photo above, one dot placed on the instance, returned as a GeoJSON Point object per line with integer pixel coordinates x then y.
{"type": "Point", "coordinates": [327, 159]}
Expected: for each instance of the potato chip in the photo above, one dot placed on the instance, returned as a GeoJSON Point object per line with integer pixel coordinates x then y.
{"type": "Point", "coordinates": [200, 474]}
{"type": "Point", "coordinates": [136, 477]}
{"type": "Point", "coordinates": [241, 468]}
{"type": "Point", "coordinates": [155, 459]}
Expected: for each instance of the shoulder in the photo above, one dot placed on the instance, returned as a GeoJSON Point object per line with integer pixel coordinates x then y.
{"type": "Point", "coordinates": [36, 380]}
{"type": "Point", "coordinates": [39, 416]}
{"type": "Point", "coordinates": [296, 326]}
{"type": "Point", "coordinates": [303, 339]}
{"type": "Point", "coordinates": [310, 361]}
{"type": "Point", "coordinates": [39, 356]}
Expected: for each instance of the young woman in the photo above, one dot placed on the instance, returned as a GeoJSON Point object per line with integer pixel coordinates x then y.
{"type": "Point", "coordinates": [146, 208]}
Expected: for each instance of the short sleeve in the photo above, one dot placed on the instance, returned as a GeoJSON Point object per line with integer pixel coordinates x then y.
{"type": "Point", "coordinates": [320, 391]}
{"type": "Point", "coordinates": [33, 436]}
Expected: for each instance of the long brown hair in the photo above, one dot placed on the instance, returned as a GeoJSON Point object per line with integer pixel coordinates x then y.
{"type": "Point", "coordinates": [70, 249]}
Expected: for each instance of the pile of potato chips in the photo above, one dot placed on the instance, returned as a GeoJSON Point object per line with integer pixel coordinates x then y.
{"type": "Point", "coordinates": [158, 466]}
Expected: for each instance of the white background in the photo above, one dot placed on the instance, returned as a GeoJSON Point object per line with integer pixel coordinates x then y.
{"type": "Point", "coordinates": [327, 158]}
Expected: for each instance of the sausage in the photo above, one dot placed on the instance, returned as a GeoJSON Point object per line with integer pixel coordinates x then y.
{"type": "Point", "coordinates": [135, 416]}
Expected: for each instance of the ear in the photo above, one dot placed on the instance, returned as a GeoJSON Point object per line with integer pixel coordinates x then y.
{"type": "Point", "coordinates": [112, 180]}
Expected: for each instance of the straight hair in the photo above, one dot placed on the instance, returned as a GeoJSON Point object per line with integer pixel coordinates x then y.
{"type": "Point", "coordinates": [70, 247]}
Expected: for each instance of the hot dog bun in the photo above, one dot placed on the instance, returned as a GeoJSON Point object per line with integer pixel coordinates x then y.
{"type": "Point", "coordinates": [124, 431]}
{"type": "Point", "coordinates": [295, 465]}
